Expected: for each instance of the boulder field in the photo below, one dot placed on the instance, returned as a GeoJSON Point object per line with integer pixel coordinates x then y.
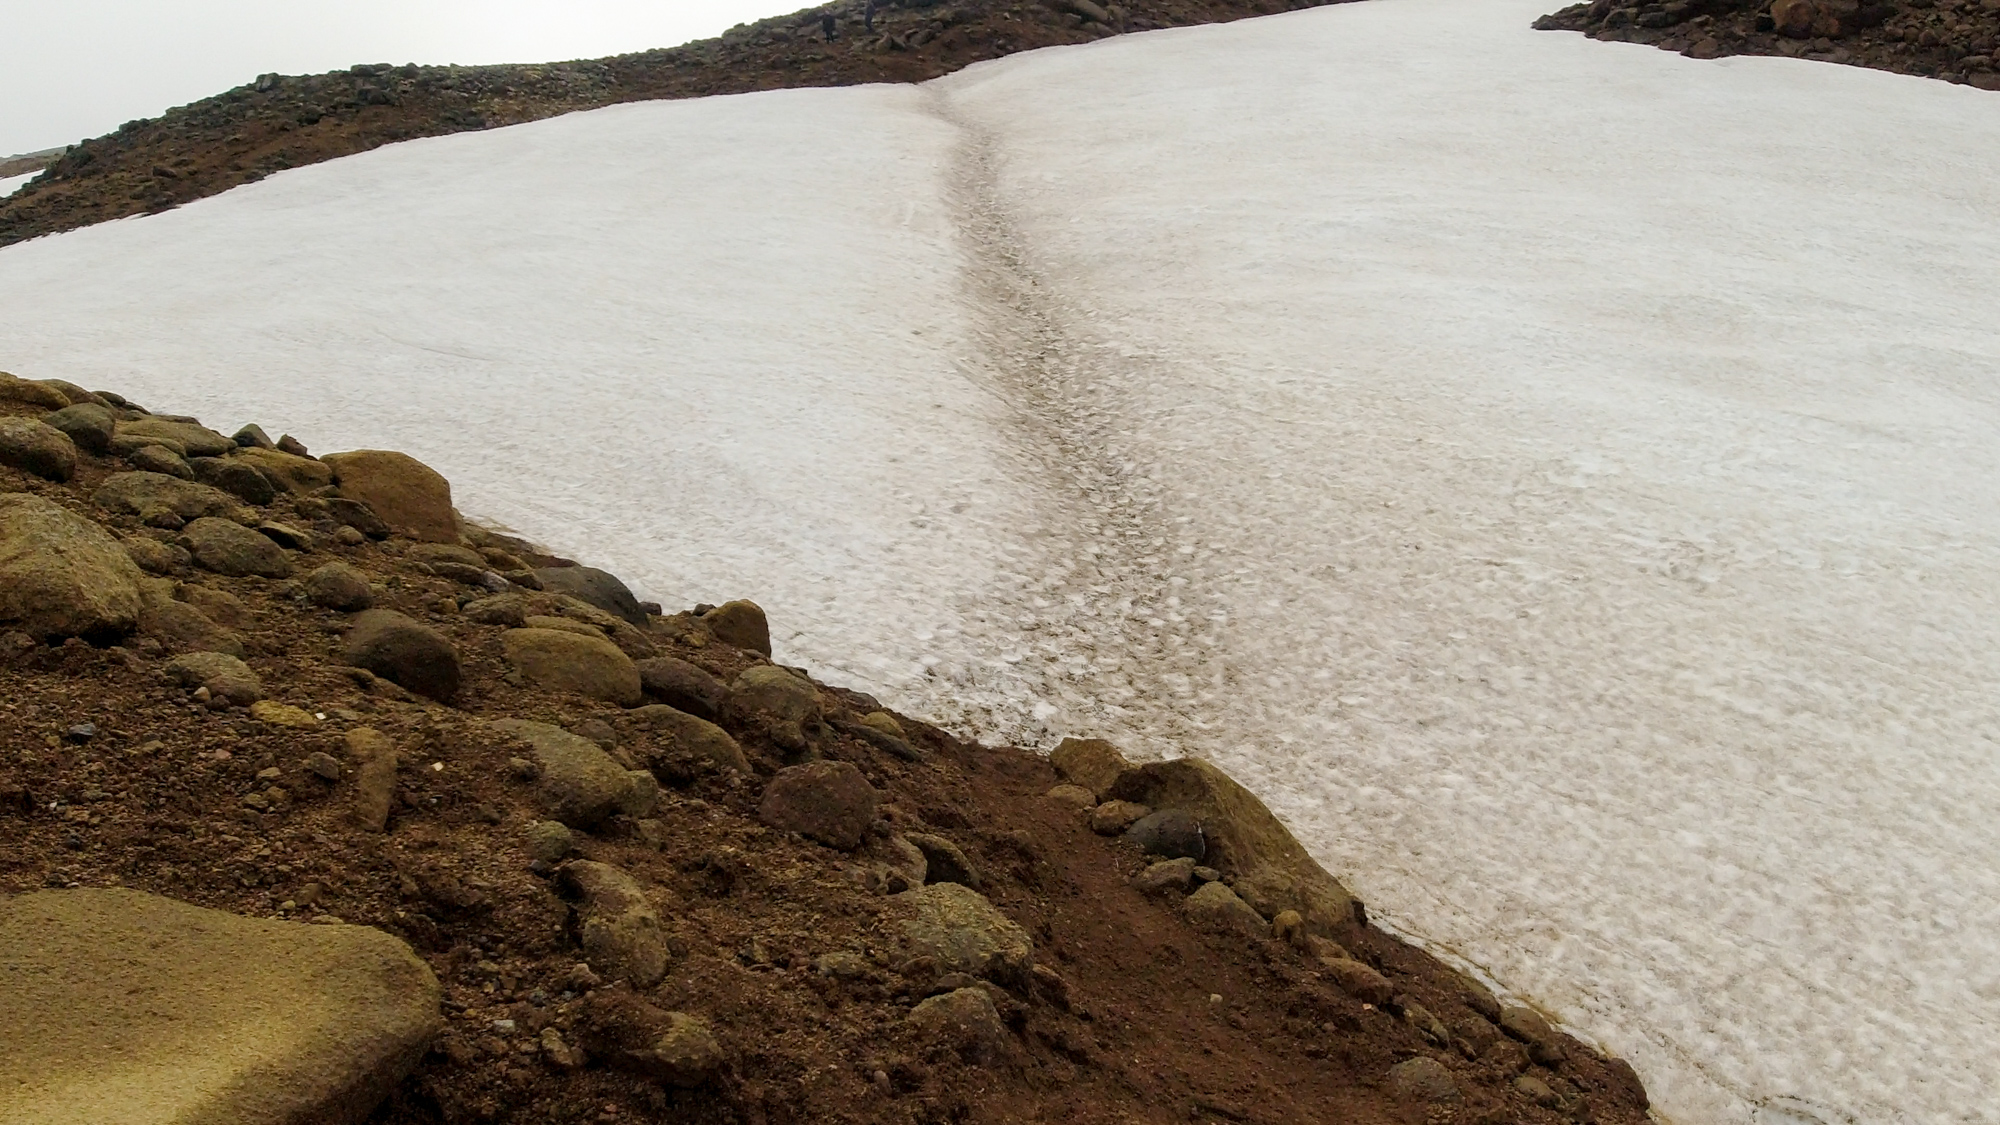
{"type": "Point", "coordinates": [322, 803]}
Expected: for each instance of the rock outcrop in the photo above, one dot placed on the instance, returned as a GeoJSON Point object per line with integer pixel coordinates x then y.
{"type": "Point", "coordinates": [123, 1006]}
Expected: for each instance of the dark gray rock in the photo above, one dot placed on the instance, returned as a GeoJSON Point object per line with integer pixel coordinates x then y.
{"type": "Point", "coordinates": [1169, 834]}
{"type": "Point", "coordinates": [403, 652]}
{"type": "Point", "coordinates": [594, 587]}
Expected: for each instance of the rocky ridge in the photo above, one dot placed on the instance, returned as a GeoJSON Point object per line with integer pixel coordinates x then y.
{"type": "Point", "coordinates": [1952, 40]}
{"type": "Point", "coordinates": [287, 121]}
{"type": "Point", "coordinates": [554, 854]}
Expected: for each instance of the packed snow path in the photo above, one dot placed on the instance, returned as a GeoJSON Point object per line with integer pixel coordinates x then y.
{"type": "Point", "coordinates": [1560, 477]}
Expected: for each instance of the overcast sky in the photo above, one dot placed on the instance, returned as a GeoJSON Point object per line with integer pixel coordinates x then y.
{"type": "Point", "coordinates": [79, 68]}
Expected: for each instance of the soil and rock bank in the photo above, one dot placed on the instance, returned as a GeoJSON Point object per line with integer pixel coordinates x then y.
{"type": "Point", "coordinates": [396, 818]}
{"type": "Point", "coordinates": [1952, 40]}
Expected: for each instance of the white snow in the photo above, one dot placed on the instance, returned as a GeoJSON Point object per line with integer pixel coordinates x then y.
{"type": "Point", "coordinates": [1557, 475]}
{"type": "Point", "coordinates": [11, 184]}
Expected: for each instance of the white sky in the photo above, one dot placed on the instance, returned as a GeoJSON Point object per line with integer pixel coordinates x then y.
{"type": "Point", "coordinates": [81, 68]}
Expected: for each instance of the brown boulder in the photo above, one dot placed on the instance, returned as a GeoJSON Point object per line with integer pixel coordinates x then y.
{"type": "Point", "coordinates": [1217, 907]}
{"type": "Point", "coordinates": [341, 587]}
{"type": "Point", "coordinates": [188, 438]}
{"type": "Point", "coordinates": [183, 628]}
{"type": "Point", "coordinates": [147, 494]}
{"type": "Point", "coordinates": [62, 575]}
{"type": "Point", "coordinates": [677, 732]}
{"type": "Point", "coordinates": [577, 782]}
{"type": "Point", "coordinates": [1359, 980]}
{"type": "Point", "coordinates": [614, 923]}
{"type": "Point", "coordinates": [33, 446]}
{"type": "Point", "coordinates": [1089, 762]}
{"type": "Point", "coordinates": [740, 624]}
{"type": "Point", "coordinates": [1268, 867]}
{"type": "Point", "coordinates": [826, 801]}
{"type": "Point", "coordinates": [375, 762]}
{"type": "Point", "coordinates": [405, 493]}
{"type": "Point", "coordinates": [962, 932]}
{"type": "Point", "coordinates": [292, 473]}
{"type": "Point", "coordinates": [32, 392]}
{"type": "Point", "coordinates": [228, 548]}
{"type": "Point", "coordinates": [964, 1022]}
{"type": "Point", "coordinates": [675, 1048]}
{"type": "Point", "coordinates": [129, 1007]}
{"type": "Point", "coordinates": [227, 678]}
{"type": "Point", "coordinates": [682, 685]}
{"type": "Point", "coordinates": [775, 703]}
{"type": "Point", "coordinates": [403, 652]}
{"type": "Point", "coordinates": [565, 661]}
{"type": "Point", "coordinates": [88, 425]}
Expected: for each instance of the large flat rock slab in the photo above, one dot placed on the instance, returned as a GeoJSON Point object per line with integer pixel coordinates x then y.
{"type": "Point", "coordinates": [124, 1008]}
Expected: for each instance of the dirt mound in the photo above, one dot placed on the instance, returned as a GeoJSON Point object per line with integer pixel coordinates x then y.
{"type": "Point", "coordinates": [281, 121]}
{"type": "Point", "coordinates": [1953, 40]}
{"type": "Point", "coordinates": [753, 898]}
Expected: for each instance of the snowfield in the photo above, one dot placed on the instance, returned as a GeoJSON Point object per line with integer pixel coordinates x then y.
{"type": "Point", "coordinates": [11, 184]}
{"type": "Point", "coordinates": [1559, 477]}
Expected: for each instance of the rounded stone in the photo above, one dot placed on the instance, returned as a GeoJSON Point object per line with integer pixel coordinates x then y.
{"type": "Point", "coordinates": [1424, 1079]}
{"type": "Point", "coordinates": [403, 652]}
{"type": "Point", "coordinates": [826, 801]}
{"type": "Point", "coordinates": [565, 661]}
{"type": "Point", "coordinates": [341, 587]}
{"type": "Point", "coordinates": [1169, 834]}
{"type": "Point", "coordinates": [228, 548]}
{"type": "Point", "coordinates": [34, 446]}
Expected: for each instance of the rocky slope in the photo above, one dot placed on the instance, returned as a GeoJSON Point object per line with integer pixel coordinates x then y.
{"type": "Point", "coordinates": [1953, 40]}
{"type": "Point", "coordinates": [27, 162]}
{"type": "Point", "coordinates": [649, 874]}
{"type": "Point", "coordinates": [282, 121]}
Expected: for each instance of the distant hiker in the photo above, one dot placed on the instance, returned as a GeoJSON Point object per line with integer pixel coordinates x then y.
{"type": "Point", "coordinates": [828, 25]}
{"type": "Point", "coordinates": [868, 16]}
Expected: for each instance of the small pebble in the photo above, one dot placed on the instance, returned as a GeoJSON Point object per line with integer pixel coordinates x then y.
{"type": "Point", "coordinates": [323, 765]}
{"type": "Point", "coordinates": [81, 732]}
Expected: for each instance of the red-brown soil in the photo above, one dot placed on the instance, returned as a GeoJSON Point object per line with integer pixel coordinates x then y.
{"type": "Point", "coordinates": [281, 122]}
{"type": "Point", "coordinates": [1152, 1020]}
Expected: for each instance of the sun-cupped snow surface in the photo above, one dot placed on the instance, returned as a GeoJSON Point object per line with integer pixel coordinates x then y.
{"type": "Point", "coordinates": [1558, 476]}
{"type": "Point", "coordinates": [711, 345]}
